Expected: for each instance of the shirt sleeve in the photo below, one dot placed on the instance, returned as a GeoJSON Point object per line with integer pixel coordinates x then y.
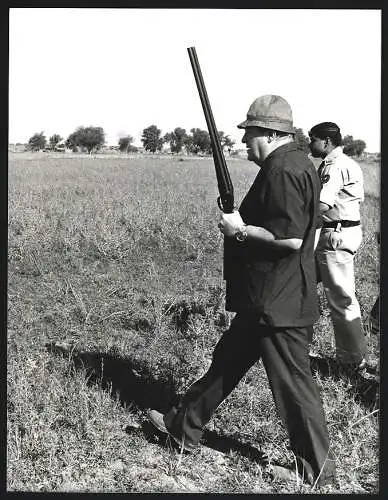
{"type": "Point", "coordinates": [286, 216]}
{"type": "Point", "coordinates": [331, 180]}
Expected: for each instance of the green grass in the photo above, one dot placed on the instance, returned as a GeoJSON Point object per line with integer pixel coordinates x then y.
{"type": "Point", "coordinates": [123, 258]}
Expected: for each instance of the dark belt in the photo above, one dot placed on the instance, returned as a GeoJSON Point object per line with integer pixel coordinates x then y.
{"type": "Point", "coordinates": [344, 223]}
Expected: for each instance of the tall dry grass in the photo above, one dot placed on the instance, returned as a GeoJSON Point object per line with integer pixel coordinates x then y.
{"type": "Point", "coordinates": [121, 259]}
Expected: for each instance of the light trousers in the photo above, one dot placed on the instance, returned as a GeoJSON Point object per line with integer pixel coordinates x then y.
{"type": "Point", "coordinates": [334, 255]}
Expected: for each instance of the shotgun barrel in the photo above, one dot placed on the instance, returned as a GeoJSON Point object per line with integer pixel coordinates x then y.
{"type": "Point", "coordinates": [225, 187]}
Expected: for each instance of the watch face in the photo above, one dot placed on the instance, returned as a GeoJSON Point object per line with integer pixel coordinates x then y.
{"type": "Point", "coordinates": [241, 236]}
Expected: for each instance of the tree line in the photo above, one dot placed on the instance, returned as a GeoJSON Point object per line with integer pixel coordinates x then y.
{"type": "Point", "coordinates": [93, 139]}
{"type": "Point", "coordinates": [197, 141]}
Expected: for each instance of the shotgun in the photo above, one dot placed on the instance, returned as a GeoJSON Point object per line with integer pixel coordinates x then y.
{"type": "Point", "coordinates": [225, 187]}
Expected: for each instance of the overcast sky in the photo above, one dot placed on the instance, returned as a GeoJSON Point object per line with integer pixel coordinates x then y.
{"type": "Point", "coordinates": [126, 69]}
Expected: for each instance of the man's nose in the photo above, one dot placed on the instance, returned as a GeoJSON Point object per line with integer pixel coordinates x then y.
{"type": "Point", "coordinates": [244, 139]}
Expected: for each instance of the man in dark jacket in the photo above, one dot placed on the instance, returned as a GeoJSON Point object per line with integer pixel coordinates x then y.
{"type": "Point", "coordinates": [271, 284]}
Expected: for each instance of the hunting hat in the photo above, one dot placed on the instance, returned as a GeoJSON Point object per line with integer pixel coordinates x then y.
{"type": "Point", "coordinates": [270, 111]}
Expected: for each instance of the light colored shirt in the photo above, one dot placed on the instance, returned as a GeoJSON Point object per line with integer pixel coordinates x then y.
{"type": "Point", "coordinates": [342, 186]}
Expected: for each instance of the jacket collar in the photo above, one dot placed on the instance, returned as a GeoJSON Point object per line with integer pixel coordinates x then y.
{"type": "Point", "coordinates": [333, 154]}
{"type": "Point", "coordinates": [281, 150]}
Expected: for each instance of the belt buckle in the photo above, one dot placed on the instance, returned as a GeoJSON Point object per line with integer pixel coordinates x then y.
{"type": "Point", "coordinates": [338, 227]}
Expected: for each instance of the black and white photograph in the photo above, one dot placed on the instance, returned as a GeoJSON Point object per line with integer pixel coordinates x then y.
{"type": "Point", "coordinates": [193, 276]}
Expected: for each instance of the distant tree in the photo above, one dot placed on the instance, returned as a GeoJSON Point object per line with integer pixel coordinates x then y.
{"type": "Point", "coordinates": [221, 137]}
{"type": "Point", "coordinates": [225, 141]}
{"type": "Point", "coordinates": [229, 143]}
{"type": "Point", "coordinates": [347, 142]}
{"type": "Point", "coordinates": [151, 139]}
{"type": "Point", "coordinates": [359, 146]}
{"type": "Point", "coordinates": [200, 142]}
{"type": "Point", "coordinates": [125, 144]}
{"type": "Point", "coordinates": [176, 139]}
{"type": "Point", "coordinates": [302, 141]}
{"type": "Point", "coordinates": [37, 142]}
{"type": "Point", "coordinates": [72, 142]}
{"type": "Point", "coordinates": [54, 140]}
{"type": "Point", "coordinates": [169, 138]}
{"type": "Point", "coordinates": [90, 138]}
{"type": "Point", "coordinates": [353, 147]}
{"type": "Point", "coordinates": [188, 143]}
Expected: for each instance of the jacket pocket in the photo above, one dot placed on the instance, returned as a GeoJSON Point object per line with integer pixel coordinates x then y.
{"type": "Point", "coordinates": [258, 275]}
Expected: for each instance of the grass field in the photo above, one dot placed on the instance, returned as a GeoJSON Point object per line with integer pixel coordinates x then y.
{"type": "Point", "coordinates": [121, 259]}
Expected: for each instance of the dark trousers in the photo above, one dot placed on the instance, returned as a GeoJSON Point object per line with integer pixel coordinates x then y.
{"type": "Point", "coordinates": [284, 352]}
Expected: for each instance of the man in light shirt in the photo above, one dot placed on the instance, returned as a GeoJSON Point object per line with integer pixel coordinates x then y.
{"type": "Point", "coordinates": [341, 195]}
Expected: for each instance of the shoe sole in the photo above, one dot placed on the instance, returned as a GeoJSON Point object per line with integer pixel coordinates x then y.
{"type": "Point", "coordinates": [164, 430]}
{"type": "Point", "coordinates": [155, 424]}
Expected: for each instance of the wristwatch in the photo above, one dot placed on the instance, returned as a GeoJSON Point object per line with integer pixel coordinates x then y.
{"type": "Point", "coordinates": [242, 234]}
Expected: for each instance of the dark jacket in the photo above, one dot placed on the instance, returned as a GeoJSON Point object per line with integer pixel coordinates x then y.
{"type": "Point", "coordinates": [280, 288]}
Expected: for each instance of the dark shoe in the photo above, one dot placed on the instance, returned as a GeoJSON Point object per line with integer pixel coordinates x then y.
{"type": "Point", "coordinates": [156, 419]}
